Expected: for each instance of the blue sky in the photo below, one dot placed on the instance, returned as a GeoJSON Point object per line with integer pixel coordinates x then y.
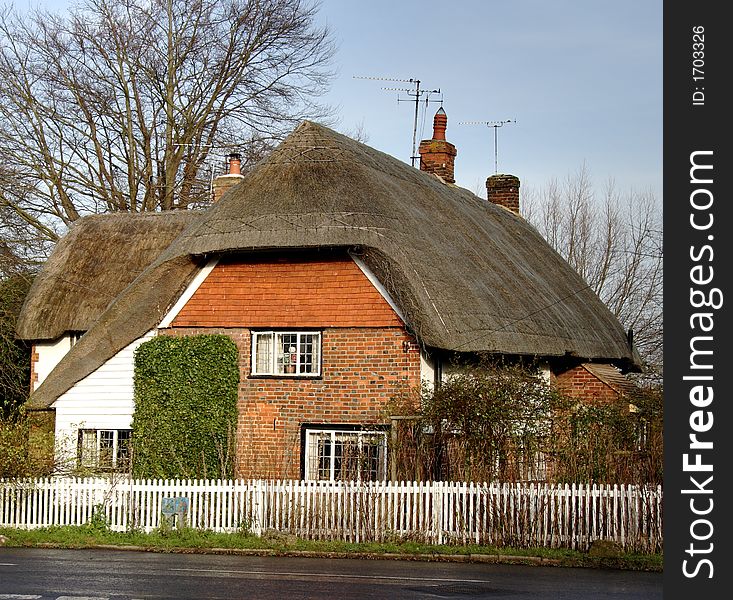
{"type": "Point", "coordinates": [582, 78]}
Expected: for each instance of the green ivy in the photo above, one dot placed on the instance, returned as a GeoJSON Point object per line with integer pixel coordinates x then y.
{"type": "Point", "coordinates": [185, 407]}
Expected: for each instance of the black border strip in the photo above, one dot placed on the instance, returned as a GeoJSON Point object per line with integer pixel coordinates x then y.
{"type": "Point", "coordinates": [696, 510]}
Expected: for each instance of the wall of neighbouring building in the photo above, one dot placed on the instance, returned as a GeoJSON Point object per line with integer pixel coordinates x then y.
{"type": "Point", "coordinates": [582, 384]}
{"type": "Point", "coordinates": [45, 356]}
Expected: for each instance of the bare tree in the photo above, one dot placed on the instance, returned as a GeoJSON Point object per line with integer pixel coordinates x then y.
{"type": "Point", "coordinates": [116, 106]}
{"type": "Point", "coordinates": [15, 279]}
{"type": "Point", "coordinates": [615, 243]}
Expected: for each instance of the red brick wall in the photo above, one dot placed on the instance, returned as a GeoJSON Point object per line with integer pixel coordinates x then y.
{"type": "Point", "coordinates": [580, 383]}
{"type": "Point", "coordinates": [297, 292]}
{"type": "Point", "coordinates": [361, 369]}
{"type": "Point", "coordinates": [367, 356]}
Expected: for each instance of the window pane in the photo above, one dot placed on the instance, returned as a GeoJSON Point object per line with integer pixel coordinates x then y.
{"type": "Point", "coordinates": [318, 455]}
{"type": "Point", "coordinates": [123, 448]}
{"type": "Point", "coordinates": [287, 353]}
{"type": "Point", "coordinates": [316, 353]}
{"type": "Point", "coordinates": [308, 353]}
{"type": "Point", "coordinates": [371, 465]}
{"type": "Point", "coordinates": [347, 464]}
{"type": "Point", "coordinates": [106, 448]}
{"type": "Point", "coordinates": [263, 353]}
{"type": "Point", "coordinates": [88, 448]}
{"type": "Point", "coordinates": [325, 455]}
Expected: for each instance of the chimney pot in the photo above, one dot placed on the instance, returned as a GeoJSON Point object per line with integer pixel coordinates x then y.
{"type": "Point", "coordinates": [235, 163]}
{"type": "Point", "coordinates": [231, 178]}
{"type": "Point", "coordinates": [437, 155]}
{"type": "Point", "coordinates": [440, 124]}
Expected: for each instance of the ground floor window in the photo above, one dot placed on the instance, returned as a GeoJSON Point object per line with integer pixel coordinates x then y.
{"type": "Point", "coordinates": [345, 454]}
{"type": "Point", "coordinates": [105, 449]}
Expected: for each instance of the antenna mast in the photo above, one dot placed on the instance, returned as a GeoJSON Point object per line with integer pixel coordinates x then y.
{"type": "Point", "coordinates": [495, 125]}
{"type": "Point", "coordinates": [416, 93]}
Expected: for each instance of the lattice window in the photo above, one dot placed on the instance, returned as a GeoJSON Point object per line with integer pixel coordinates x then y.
{"type": "Point", "coordinates": [335, 455]}
{"type": "Point", "coordinates": [104, 449]}
{"type": "Point", "coordinates": [287, 353]}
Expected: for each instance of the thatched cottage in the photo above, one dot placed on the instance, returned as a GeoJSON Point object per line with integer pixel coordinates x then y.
{"type": "Point", "coordinates": [342, 274]}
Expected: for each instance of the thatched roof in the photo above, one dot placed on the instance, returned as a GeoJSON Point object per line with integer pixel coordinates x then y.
{"type": "Point", "coordinates": [469, 275]}
{"type": "Point", "coordinates": [99, 257]}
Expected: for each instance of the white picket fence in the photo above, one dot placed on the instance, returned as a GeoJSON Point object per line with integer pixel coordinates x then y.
{"type": "Point", "coordinates": [519, 515]}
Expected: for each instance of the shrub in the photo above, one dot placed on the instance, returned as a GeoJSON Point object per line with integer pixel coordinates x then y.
{"type": "Point", "coordinates": [503, 421]}
{"type": "Point", "coordinates": [25, 451]}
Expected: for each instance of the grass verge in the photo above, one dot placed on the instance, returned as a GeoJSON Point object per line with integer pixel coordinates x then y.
{"type": "Point", "coordinates": [273, 543]}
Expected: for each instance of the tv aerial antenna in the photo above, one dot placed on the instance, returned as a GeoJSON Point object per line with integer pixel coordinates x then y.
{"type": "Point", "coordinates": [495, 125]}
{"type": "Point", "coordinates": [416, 93]}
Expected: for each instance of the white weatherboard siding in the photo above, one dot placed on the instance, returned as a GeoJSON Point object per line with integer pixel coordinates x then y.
{"type": "Point", "coordinates": [49, 355]}
{"type": "Point", "coordinates": [102, 400]}
{"type": "Point", "coordinates": [427, 370]}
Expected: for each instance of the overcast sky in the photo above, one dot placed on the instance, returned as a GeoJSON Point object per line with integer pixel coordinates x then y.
{"type": "Point", "coordinates": [582, 79]}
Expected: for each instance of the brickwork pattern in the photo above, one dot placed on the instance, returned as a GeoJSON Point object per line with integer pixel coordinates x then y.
{"type": "Point", "coordinates": [224, 183]}
{"type": "Point", "coordinates": [305, 292]}
{"type": "Point", "coordinates": [34, 362]}
{"type": "Point", "coordinates": [503, 190]}
{"type": "Point", "coordinates": [362, 369]}
{"type": "Point", "coordinates": [438, 156]}
{"type": "Point", "coordinates": [583, 385]}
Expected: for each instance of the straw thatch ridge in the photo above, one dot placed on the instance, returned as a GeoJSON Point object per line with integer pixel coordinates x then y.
{"type": "Point", "coordinates": [99, 257]}
{"type": "Point", "coordinates": [470, 276]}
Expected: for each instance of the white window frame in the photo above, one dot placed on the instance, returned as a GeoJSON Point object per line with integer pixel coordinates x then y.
{"type": "Point", "coordinates": [274, 367]}
{"type": "Point", "coordinates": [90, 458]}
{"type": "Point", "coordinates": [313, 470]}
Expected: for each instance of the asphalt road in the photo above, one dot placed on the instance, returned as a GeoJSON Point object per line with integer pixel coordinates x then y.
{"type": "Point", "coordinates": [36, 574]}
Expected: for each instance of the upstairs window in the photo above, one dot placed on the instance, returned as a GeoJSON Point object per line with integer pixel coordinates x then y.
{"type": "Point", "coordinates": [286, 353]}
{"type": "Point", "coordinates": [105, 449]}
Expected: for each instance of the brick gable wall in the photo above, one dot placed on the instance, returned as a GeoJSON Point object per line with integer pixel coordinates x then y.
{"type": "Point", "coordinates": [294, 292]}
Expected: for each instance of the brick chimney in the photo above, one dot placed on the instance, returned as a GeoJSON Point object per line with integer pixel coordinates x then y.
{"type": "Point", "coordinates": [436, 155]}
{"type": "Point", "coordinates": [232, 177]}
{"type": "Point", "coordinates": [503, 190]}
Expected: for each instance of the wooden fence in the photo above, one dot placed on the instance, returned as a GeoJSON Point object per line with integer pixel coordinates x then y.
{"type": "Point", "coordinates": [518, 515]}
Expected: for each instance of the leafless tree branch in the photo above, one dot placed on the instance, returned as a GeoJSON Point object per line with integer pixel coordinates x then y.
{"type": "Point", "coordinates": [614, 242]}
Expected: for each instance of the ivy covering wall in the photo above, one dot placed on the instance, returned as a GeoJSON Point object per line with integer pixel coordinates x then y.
{"type": "Point", "coordinates": [185, 407]}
